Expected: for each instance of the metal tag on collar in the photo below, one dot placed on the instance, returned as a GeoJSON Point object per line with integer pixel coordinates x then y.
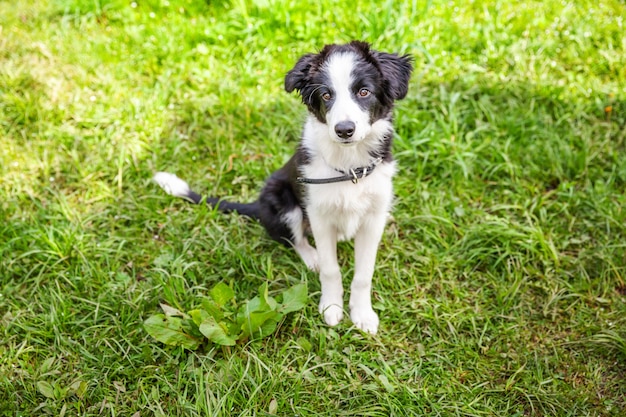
{"type": "Point", "coordinates": [355, 178]}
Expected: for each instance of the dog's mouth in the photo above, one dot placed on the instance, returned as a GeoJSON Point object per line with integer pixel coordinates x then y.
{"type": "Point", "coordinates": [347, 142]}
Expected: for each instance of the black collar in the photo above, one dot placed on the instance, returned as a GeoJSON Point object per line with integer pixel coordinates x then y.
{"type": "Point", "coordinates": [353, 175]}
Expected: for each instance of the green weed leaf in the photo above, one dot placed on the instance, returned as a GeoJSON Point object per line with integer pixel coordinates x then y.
{"type": "Point", "coordinates": [45, 389]}
{"type": "Point", "coordinates": [78, 388]}
{"type": "Point", "coordinates": [213, 308]}
{"type": "Point", "coordinates": [269, 326]}
{"type": "Point", "coordinates": [216, 332]}
{"type": "Point", "coordinates": [254, 321]}
{"type": "Point", "coordinates": [198, 316]}
{"type": "Point", "coordinates": [258, 305]}
{"type": "Point", "coordinates": [47, 364]}
{"type": "Point", "coordinates": [265, 302]}
{"type": "Point", "coordinates": [171, 331]}
{"type": "Point", "coordinates": [294, 299]}
{"type": "Point", "coordinates": [304, 344]}
{"type": "Point", "coordinates": [221, 294]}
{"type": "Point", "coordinates": [219, 321]}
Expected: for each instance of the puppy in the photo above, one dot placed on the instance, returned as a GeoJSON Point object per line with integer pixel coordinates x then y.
{"type": "Point", "coordinates": [338, 184]}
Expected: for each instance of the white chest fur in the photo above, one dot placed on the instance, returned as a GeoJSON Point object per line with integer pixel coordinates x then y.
{"type": "Point", "coordinates": [346, 205]}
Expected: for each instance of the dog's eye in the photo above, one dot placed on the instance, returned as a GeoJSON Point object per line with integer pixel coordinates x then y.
{"type": "Point", "coordinates": [364, 92]}
{"type": "Point", "coordinates": [326, 96]}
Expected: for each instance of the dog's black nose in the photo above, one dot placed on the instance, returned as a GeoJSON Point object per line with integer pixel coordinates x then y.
{"type": "Point", "coordinates": [345, 129]}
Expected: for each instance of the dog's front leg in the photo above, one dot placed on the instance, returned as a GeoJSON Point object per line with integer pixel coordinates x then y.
{"type": "Point", "coordinates": [331, 300]}
{"type": "Point", "coordinates": [365, 248]}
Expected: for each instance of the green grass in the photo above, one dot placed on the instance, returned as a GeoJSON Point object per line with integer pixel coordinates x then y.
{"type": "Point", "coordinates": [501, 280]}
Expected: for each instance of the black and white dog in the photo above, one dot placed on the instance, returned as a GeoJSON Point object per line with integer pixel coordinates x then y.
{"type": "Point", "coordinates": [338, 185]}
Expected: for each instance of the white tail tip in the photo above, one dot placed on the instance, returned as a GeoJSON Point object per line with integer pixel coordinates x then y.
{"type": "Point", "coordinates": [171, 184]}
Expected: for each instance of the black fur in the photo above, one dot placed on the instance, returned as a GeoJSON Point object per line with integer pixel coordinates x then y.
{"type": "Point", "coordinates": [280, 195]}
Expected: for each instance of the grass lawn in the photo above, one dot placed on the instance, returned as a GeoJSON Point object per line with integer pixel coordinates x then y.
{"type": "Point", "coordinates": [501, 279]}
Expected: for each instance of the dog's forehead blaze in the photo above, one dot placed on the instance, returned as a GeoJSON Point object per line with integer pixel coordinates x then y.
{"type": "Point", "coordinates": [339, 70]}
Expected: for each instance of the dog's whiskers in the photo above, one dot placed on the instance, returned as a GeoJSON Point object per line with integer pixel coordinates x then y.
{"type": "Point", "coordinates": [317, 87]}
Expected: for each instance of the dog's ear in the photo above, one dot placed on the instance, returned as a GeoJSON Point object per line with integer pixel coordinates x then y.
{"type": "Point", "coordinates": [298, 76]}
{"type": "Point", "coordinates": [396, 71]}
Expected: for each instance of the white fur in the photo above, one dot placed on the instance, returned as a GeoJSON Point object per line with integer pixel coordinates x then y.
{"type": "Point", "coordinates": [321, 142]}
{"type": "Point", "coordinates": [339, 68]}
{"type": "Point", "coordinates": [171, 184]}
{"type": "Point", "coordinates": [343, 210]}
{"type": "Point", "coordinates": [295, 220]}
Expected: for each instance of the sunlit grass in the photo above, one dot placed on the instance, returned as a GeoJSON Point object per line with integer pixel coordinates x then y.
{"type": "Point", "coordinates": [500, 279]}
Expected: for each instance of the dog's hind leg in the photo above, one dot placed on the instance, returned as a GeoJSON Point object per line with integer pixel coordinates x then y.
{"type": "Point", "coordinates": [295, 221]}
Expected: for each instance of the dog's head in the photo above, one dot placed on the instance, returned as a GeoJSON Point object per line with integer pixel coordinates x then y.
{"type": "Point", "coordinates": [350, 87]}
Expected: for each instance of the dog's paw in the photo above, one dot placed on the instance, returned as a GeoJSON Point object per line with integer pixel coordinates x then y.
{"type": "Point", "coordinates": [365, 319]}
{"type": "Point", "coordinates": [313, 266]}
{"type": "Point", "coordinates": [333, 313]}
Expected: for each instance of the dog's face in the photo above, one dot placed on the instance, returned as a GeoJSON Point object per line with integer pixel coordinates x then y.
{"type": "Point", "coordinates": [350, 87]}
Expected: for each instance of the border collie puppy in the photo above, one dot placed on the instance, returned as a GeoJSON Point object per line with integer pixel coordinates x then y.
{"type": "Point", "coordinates": [338, 184]}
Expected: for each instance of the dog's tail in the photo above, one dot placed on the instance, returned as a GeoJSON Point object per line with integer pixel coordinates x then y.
{"type": "Point", "coordinates": [179, 188]}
